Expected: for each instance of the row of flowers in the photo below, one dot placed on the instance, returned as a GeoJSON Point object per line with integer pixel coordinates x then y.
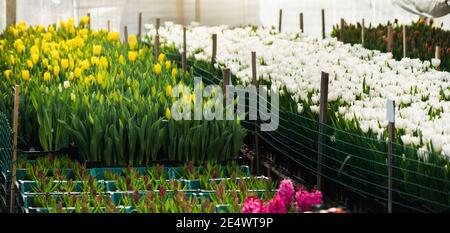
{"type": "Point", "coordinates": [153, 192]}
{"type": "Point", "coordinates": [85, 88]}
{"type": "Point", "coordinates": [421, 40]}
{"type": "Point", "coordinates": [361, 80]}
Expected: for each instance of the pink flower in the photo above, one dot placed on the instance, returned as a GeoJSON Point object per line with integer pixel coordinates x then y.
{"type": "Point", "coordinates": [277, 205]}
{"type": "Point", "coordinates": [306, 200]}
{"type": "Point", "coordinates": [286, 192]}
{"type": "Point", "coordinates": [252, 204]}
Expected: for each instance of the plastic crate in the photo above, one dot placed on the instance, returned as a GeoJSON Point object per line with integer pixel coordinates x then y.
{"type": "Point", "coordinates": [27, 186]}
{"type": "Point", "coordinates": [176, 174]}
{"type": "Point", "coordinates": [116, 197]}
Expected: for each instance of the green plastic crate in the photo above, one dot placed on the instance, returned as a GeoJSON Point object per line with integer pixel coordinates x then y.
{"type": "Point", "coordinates": [177, 174]}
{"type": "Point", "coordinates": [27, 186]}
{"type": "Point", "coordinates": [116, 197]}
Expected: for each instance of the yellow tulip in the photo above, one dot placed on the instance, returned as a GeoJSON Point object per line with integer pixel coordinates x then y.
{"type": "Point", "coordinates": [132, 55]}
{"type": "Point", "coordinates": [84, 19]}
{"type": "Point", "coordinates": [25, 75]}
{"type": "Point", "coordinates": [114, 36]}
{"type": "Point", "coordinates": [71, 76]}
{"type": "Point", "coordinates": [168, 64]}
{"type": "Point", "coordinates": [7, 73]}
{"type": "Point", "coordinates": [97, 50]}
{"type": "Point", "coordinates": [45, 62]}
{"type": "Point", "coordinates": [56, 70]}
{"type": "Point", "coordinates": [64, 63]}
{"type": "Point", "coordinates": [168, 113]}
{"type": "Point", "coordinates": [157, 68]}
{"type": "Point", "coordinates": [161, 57]}
{"type": "Point", "coordinates": [48, 36]}
{"type": "Point", "coordinates": [132, 41]}
{"type": "Point", "coordinates": [104, 62]}
{"type": "Point", "coordinates": [85, 64]}
{"type": "Point", "coordinates": [55, 54]}
{"type": "Point", "coordinates": [34, 49]}
{"type": "Point", "coordinates": [35, 58]}
{"type": "Point", "coordinates": [29, 64]}
{"type": "Point", "coordinates": [47, 76]}
{"type": "Point", "coordinates": [121, 59]}
{"type": "Point", "coordinates": [168, 90]}
{"type": "Point", "coordinates": [174, 72]}
{"type": "Point", "coordinates": [12, 60]}
{"type": "Point", "coordinates": [100, 79]}
{"type": "Point", "coordinates": [94, 60]}
{"type": "Point", "coordinates": [77, 72]}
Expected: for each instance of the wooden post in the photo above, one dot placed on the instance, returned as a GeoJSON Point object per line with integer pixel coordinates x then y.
{"type": "Point", "coordinates": [14, 152]}
{"type": "Point", "coordinates": [197, 11]}
{"type": "Point", "coordinates": [301, 22]}
{"type": "Point", "coordinates": [140, 26]}
{"type": "Point", "coordinates": [109, 25]}
{"type": "Point", "coordinates": [225, 83]}
{"type": "Point", "coordinates": [89, 22]}
{"type": "Point", "coordinates": [156, 47]}
{"type": "Point", "coordinates": [404, 40]}
{"type": "Point", "coordinates": [125, 33]}
{"type": "Point", "coordinates": [323, 122]}
{"type": "Point", "coordinates": [437, 54]}
{"type": "Point", "coordinates": [390, 107]}
{"type": "Point", "coordinates": [11, 12]}
{"type": "Point", "coordinates": [184, 54]}
{"type": "Point", "coordinates": [158, 24]}
{"type": "Point", "coordinates": [362, 32]}
{"type": "Point", "coordinates": [341, 32]}
{"type": "Point", "coordinates": [390, 39]}
{"type": "Point", "coordinates": [214, 49]}
{"type": "Point", "coordinates": [280, 18]}
{"type": "Point", "coordinates": [255, 84]}
{"type": "Point", "coordinates": [323, 23]}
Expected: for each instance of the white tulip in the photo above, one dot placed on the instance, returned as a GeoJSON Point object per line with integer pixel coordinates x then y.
{"type": "Point", "coordinates": [435, 62]}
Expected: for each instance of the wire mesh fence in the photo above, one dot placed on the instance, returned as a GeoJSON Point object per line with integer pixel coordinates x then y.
{"type": "Point", "coordinates": [353, 165]}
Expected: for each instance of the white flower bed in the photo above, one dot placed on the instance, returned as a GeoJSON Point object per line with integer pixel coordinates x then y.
{"type": "Point", "coordinates": [421, 93]}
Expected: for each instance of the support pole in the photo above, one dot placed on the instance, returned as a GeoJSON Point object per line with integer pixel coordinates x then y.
{"type": "Point", "coordinates": [158, 24]}
{"type": "Point", "coordinates": [140, 26]}
{"type": "Point", "coordinates": [125, 34]}
{"type": "Point", "coordinates": [341, 32]}
{"type": "Point", "coordinates": [14, 152]}
{"type": "Point", "coordinates": [323, 23]}
{"type": "Point", "coordinates": [390, 107]}
{"type": "Point", "coordinates": [214, 49]}
{"type": "Point", "coordinates": [280, 18]}
{"type": "Point", "coordinates": [197, 11]}
{"type": "Point", "coordinates": [322, 123]}
{"type": "Point", "coordinates": [89, 22]}
{"type": "Point", "coordinates": [225, 83]}
{"type": "Point", "coordinates": [255, 83]}
{"type": "Point", "coordinates": [156, 47]}
{"type": "Point", "coordinates": [362, 32]}
{"type": "Point", "coordinates": [437, 54]}
{"type": "Point", "coordinates": [11, 12]}
{"type": "Point", "coordinates": [404, 40]}
{"type": "Point", "coordinates": [109, 25]}
{"type": "Point", "coordinates": [184, 54]}
{"type": "Point", "coordinates": [301, 22]}
{"type": "Point", "coordinates": [390, 42]}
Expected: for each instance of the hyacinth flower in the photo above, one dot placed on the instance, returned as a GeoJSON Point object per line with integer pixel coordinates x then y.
{"type": "Point", "coordinates": [306, 200]}
{"type": "Point", "coordinates": [286, 192]}
{"type": "Point", "coordinates": [252, 204]}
